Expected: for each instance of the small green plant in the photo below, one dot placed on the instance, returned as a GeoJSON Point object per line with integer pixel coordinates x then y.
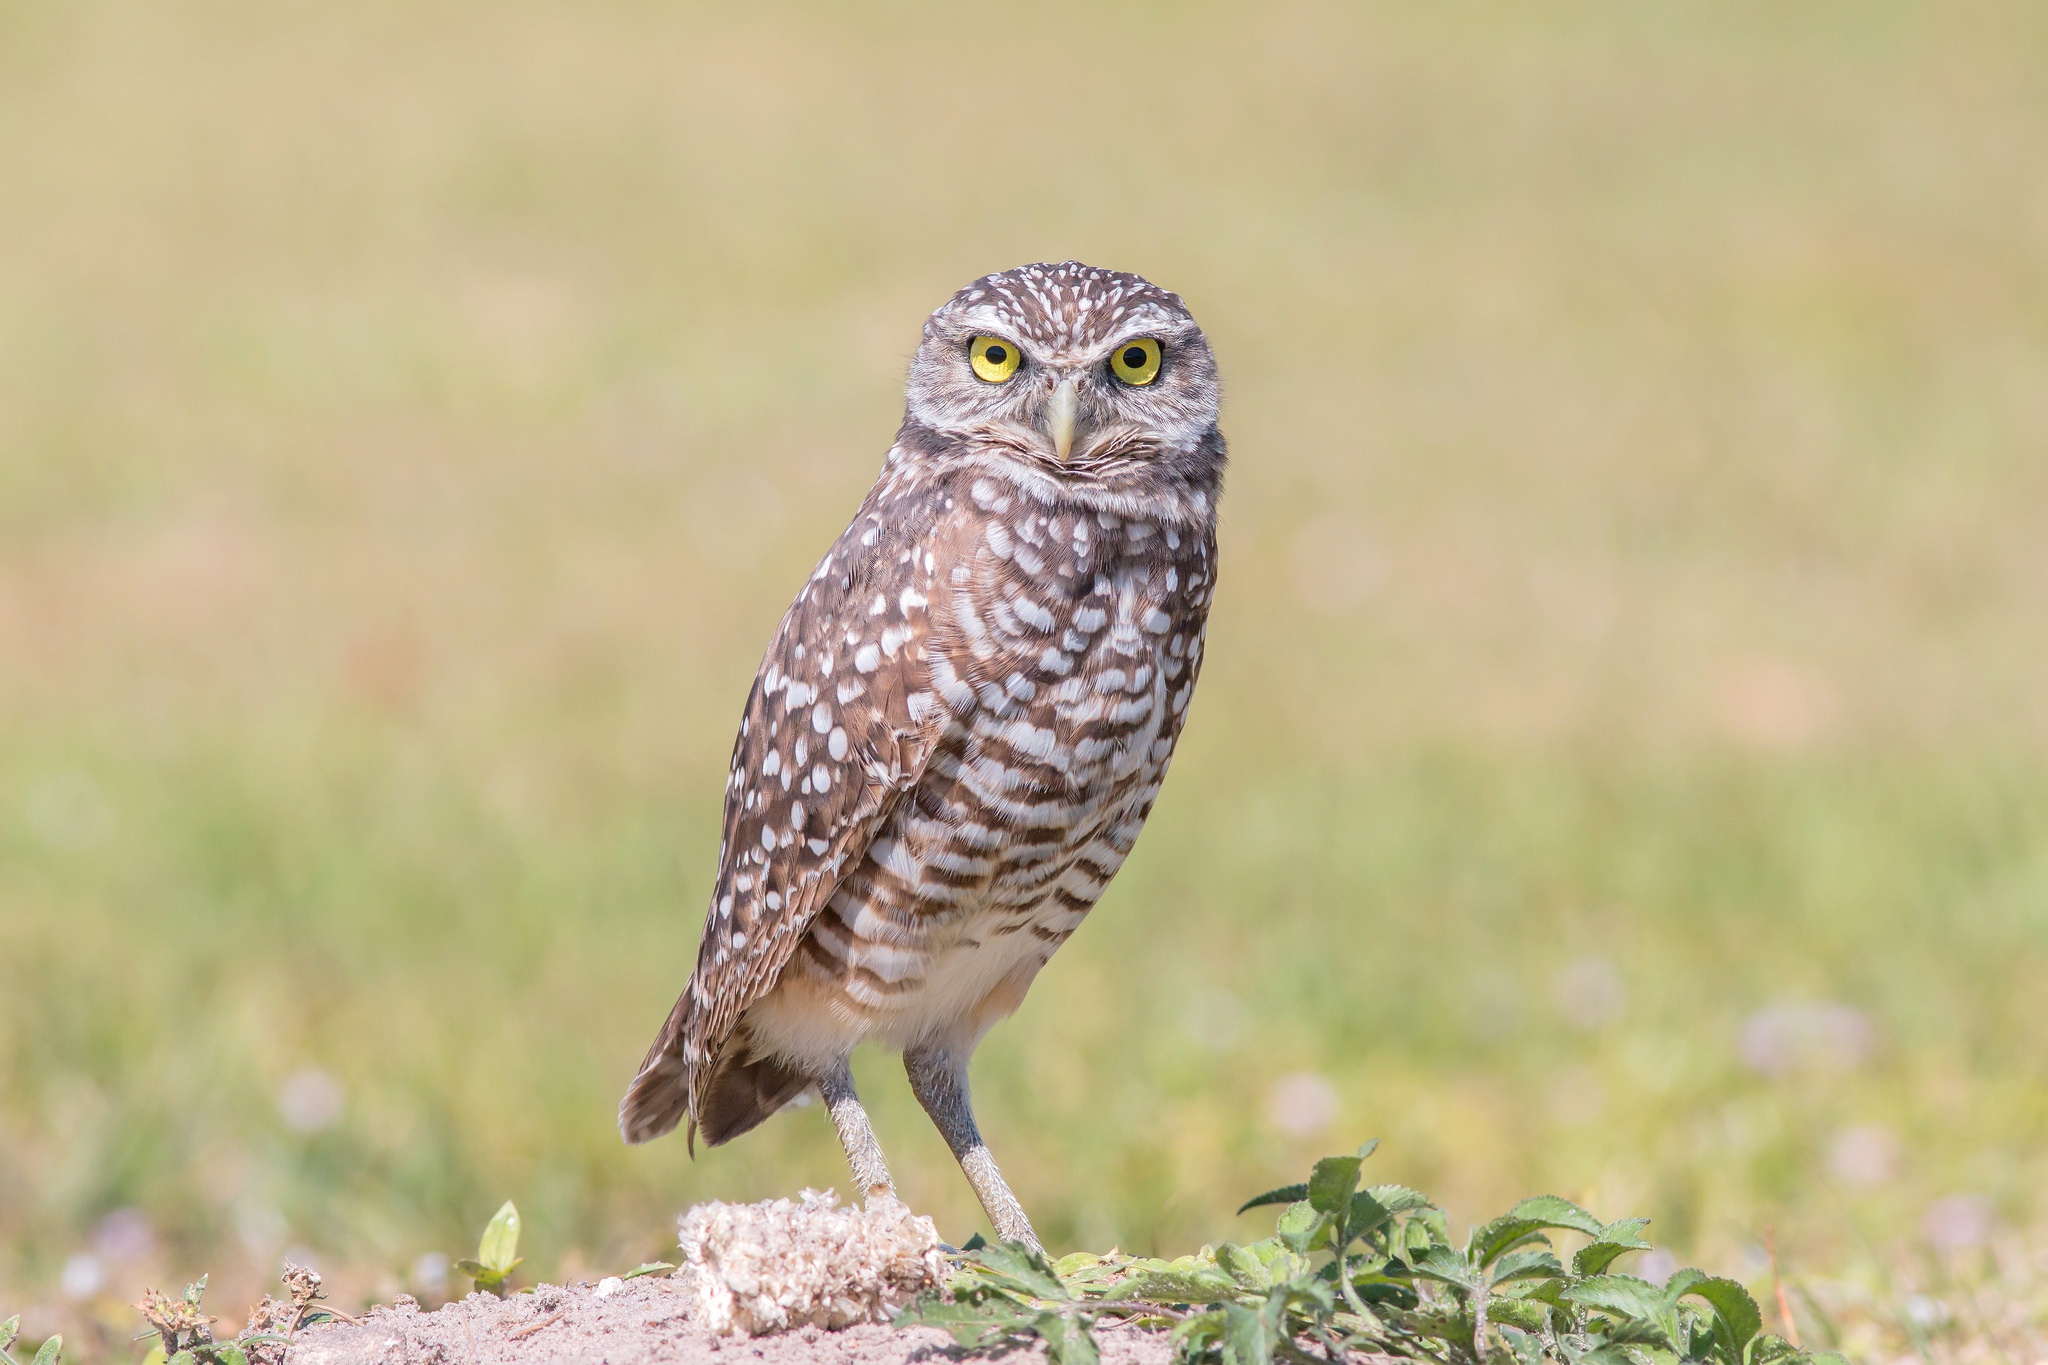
{"type": "Point", "coordinates": [47, 1355]}
{"type": "Point", "coordinates": [497, 1252]}
{"type": "Point", "coordinates": [1374, 1270]}
{"type": "Point", "coordinates": [649, 1268]}
{"type": "Point", "coordinates": [184, 1332]}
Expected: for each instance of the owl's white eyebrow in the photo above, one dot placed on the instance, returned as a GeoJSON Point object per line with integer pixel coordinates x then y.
{"type": "Point", "coordinates": [990, 321]}
{"type": "Point", "coordinates": [1142, 323]}
{"type": "Point", "coordinates": [1131, 334]}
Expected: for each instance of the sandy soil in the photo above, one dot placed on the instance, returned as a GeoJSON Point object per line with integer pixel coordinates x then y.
{"type": "Point", "coordinates": [629, 1323]}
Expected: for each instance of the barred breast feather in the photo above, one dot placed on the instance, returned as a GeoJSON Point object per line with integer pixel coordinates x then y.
{"type": "Point", "coordinates": [953, 743]}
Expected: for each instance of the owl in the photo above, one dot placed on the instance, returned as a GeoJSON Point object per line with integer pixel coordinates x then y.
{"type": "Point", "coordinates": [963, 721]}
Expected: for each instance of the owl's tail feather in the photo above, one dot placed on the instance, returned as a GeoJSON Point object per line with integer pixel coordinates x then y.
{"type": "Point", "coordinates": [659, 1097]}
{"type": "Point", "coordinates": [741, 1091]}
{"type": "Point", "coordinates": [745, 1090]}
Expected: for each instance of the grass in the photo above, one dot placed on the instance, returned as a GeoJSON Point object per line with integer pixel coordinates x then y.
{"type": "Point", "coordinates": [413, 418]}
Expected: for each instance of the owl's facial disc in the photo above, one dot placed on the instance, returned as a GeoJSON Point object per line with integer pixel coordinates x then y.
{"type": "Point", "coordinates": [1067, 367]}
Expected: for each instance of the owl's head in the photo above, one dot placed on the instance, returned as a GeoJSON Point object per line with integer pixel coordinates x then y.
{"type": "Point", "coordinates": [1075, 370]}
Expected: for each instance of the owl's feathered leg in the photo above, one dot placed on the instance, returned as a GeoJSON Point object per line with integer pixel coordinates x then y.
{"type": "Point", "coordinates": [856, 1134]}
{"type": "Point", "coordinates": [938, 1077]}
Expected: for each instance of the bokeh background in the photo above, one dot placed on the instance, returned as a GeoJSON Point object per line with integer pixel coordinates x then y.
{"type": "Point", "coordinates": [1619, 768]}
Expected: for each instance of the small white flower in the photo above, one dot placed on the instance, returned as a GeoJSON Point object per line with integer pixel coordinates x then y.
{"type": "Point", "coordinates": [1959, 1222]}
{"type": "Point", "coordinates": [310, 1100]}
{"type": "Point", "coordinates": [1807, 1035]}
{"type": "Point", "coordinates": [82, 1276]}
{"type": "Point", "coordinates": [1865, 1154]}
{"type": "Point", "coordinates": [1657, 1266]}
{"type": "Point", "coordinates": [1590, 993]}
{"type": "Point", "coordinates": [430, 1272]}
{"type": "Point", "coordinates": [1302, 1104]}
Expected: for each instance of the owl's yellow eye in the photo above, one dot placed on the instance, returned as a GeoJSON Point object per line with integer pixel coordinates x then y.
{"type": "Point", "coordinates": [1136, 362]}
{"type": "Point", "coordinates": [993, 358]}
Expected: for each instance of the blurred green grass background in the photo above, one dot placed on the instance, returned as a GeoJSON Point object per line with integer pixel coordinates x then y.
{"type": "Point", "coordinates": [1619, 766]}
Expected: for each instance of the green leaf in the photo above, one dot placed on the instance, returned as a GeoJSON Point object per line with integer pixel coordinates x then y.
{"type": "Point", "coordinates": [1026, 1270]}
{"type": "Point", "coordinates": [1366, 1328]}
{"type": "Point", "coordinates": [1367, 1214]}
{"type": "Point", "coordinates": [9, 1330]}
{"type": "Point", "coordinates": [1247, 1269]}
{"type": "Point", "coordinates": [1501, 1235]}
{"type": "Point", "coordinates": [195, 1291]}
{"type": "Point", "coordinates": [1607, 1353]}
{"type": "Point", "coordinates": [1399, 1198]}
{"type": "Point", "coordinates": [499, 1247]}
{"type": "Point", "coordinates": [155, 1356]}
{"type": "Point", "coordinates": [1680, 1281]}
{"type": "Point", "coordinates": [1531, 1315]}
{"type": "Point", "coordinates": [1244, 1337]}
{"type": "Point", "coordinates": [1331, 1183]}
{"type": "Point", "coordinates": [974, 1243]}
{"type": "Point", "coordinates": [648, 1268]}
{"type": "Point", "coordinates": [183, 1358]}
{"type": "Point", "coordinates": [1547, 1210]}
{"type": "Point", "coordinates": [476, 1270]}
{"type": "Point", "coordinates": [1594, 1257]}
{"type": "Point", "coordinates": [1067, 1340]}
{"type": "Point", "coordinates": [1298, 1225]}
{"type": "Point", "coordinates": [230, 1353]}
{"type": "Point", "coordinates": [1378, 1289]}
{"type": "Point", "coordinates": [1206, 1284]}
{"type": "Point", "coordinates": [1525, 1265]}
{"type": "Point", "coordinates": [972, 1324]}
{"type": "Point", "coordinates": [1633, 1302]}
{"type": "Point", "coordinates": [1195, 1336]}
{"type": "Point", "coordinates": [1513, 1228]}
{"type": "Point", "coordinates": [1283, 1267]}
{"type": "Point", "coordinates": [1623, 1296]}
{"type": "Point", "coordinates": [1444, 1265]}
{"type": "Point", "coordinates": [1308, 1294]}
{"type": "Point", "coordinates": [1736, 1317]}
{"type": "Point", "coordinates": [51, 1349]}
{"type": "Point", "coordinates": [1082, 1348]}
{"type": "Point", "coordinates": [1769, 1348]}
{"type": "Point", "coordinates": [1285, 1194]}
{"type": "Point", "coordinates": [1368, 1147]}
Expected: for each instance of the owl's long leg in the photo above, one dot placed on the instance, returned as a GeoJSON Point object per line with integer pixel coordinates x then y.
{"type": "Point", "coordinates": [856, 1134]}
{"type": "Point", "coordinates": [938, 1077]}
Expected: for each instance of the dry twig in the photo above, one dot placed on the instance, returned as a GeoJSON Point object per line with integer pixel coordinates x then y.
{"type": "Point", "coordinates": [523, 1333]}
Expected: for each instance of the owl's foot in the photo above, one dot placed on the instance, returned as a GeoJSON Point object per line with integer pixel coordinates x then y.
{"type": "Point", "coordinates": [857, 1136]}
{"type": "Point", "coordinates": [1004, 1212]}
{"type": "Point", "coordinates": [939, 1080]}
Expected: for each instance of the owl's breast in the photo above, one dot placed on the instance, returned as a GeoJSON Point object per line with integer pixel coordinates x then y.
{"type": "Point", "coordinates": [1063, 652]}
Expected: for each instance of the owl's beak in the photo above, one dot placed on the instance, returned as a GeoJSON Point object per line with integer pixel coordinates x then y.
{"type": "Point", "coordinates": [1060, 412]}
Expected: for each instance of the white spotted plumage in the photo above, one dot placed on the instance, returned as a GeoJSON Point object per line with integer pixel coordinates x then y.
{"type": "Point", "coordinates": [1001, 647]}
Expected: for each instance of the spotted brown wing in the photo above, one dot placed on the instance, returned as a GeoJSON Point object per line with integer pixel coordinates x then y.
{"type": "Point", "coordinates": [833, 735]}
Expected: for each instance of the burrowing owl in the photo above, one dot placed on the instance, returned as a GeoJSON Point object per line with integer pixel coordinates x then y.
{"type": "Point", "coordinates": [964, 719]}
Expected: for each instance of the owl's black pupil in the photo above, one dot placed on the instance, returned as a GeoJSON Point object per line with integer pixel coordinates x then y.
{"type": "Point", "coordinates": [996, 355]}
{"type": "Point", "coordinates": [1134, 358]}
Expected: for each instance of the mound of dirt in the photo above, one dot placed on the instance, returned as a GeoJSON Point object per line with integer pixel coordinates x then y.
{"type": "Point", "coordinates": [631, 1322]}
{"type": "Point", "coordinates": [786, 1280]}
